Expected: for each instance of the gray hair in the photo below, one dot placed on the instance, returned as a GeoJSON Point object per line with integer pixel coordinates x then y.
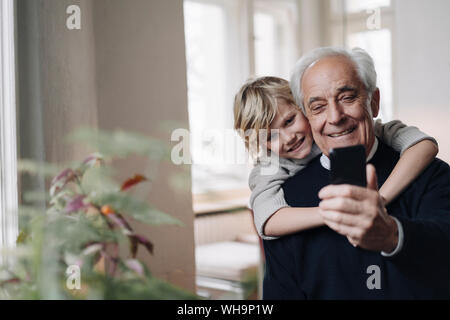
{"type": "Point", "coordinates": [363, 63]}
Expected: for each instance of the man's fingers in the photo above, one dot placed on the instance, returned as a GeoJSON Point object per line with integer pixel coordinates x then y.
{"type": "Point", "coordinates": [342, 190]}
{"type": "Point", "coordinates": [353, 241]}
{"type": "Point", "coordinates": [347, 231]}
{"type": "Point", "coordinates": [346, 205]}
{"type": "Point", "coordinates": [351, 191]}
{"type": "Point", "coordinates": [340, 218]}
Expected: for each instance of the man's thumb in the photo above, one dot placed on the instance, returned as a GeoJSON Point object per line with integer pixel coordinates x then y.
{"type": "Point", "coordinates": [371, 177]}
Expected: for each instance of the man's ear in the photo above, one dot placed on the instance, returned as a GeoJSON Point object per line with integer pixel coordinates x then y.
{"type": "Point", "coordinates": [375, 103]}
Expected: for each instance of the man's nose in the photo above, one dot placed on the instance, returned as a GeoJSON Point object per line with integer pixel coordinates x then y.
{"type": "Point", "coordinates": [335, 113]}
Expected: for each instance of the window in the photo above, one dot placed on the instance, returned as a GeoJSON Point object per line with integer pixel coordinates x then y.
{"type": "Point", "coordinates": [358, 5]}
{"type": "Point", "coordinates": [367, 24]}
{"type": "Point", "coordinates": [214, 72]}
{"type": "Point", "coordinates": [8, 151]}
{"type": "Point", "coordinates": [275, 37]}
{"type": "Point", "coordinates": [228, 41]}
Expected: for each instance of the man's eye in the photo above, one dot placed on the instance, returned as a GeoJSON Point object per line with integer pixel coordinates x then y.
{"type": "Point", "coordinates": [317, 107]}
{"type": "Point", "coordinates": [348, 98]}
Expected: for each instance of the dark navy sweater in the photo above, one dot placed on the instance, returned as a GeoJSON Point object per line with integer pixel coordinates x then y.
{"type": "Point", "coordinates": [321, 264]}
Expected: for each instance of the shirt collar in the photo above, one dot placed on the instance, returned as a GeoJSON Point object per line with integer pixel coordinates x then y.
{"type": "Point", "coordinates": [325, 161]}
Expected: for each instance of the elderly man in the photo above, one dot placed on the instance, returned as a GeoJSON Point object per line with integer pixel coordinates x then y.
{"type": "Point", "coordinates": [367, 250]}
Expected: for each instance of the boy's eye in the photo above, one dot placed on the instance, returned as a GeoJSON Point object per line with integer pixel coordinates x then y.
{"type": "Point", "coordinates": [288, 121]}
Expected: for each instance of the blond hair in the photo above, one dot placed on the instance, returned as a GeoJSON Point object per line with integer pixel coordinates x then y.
{"type": "Point", "coordinates": [255, 107]}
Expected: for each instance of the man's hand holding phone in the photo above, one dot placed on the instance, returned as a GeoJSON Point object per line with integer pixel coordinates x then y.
{"type": "Point", "coordinates": [355, 211]}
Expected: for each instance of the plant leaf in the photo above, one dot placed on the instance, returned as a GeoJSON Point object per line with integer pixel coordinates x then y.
{"type": "Point", "coordinates": [135, 265]}
{"type": "Point", "coordinates": [93, 160]}
{"type": "Point", "coordinates": [118, 221]}
{"type": "Point", "coordinates": [133, 181]}
{"type": "Point", "coordinates": [93, 248]}
{"type": "Point", "coordinates": [75, 204]}
{"type": "Point", "coordinates": [144, 241]}
{"type": "Point", "coordinates": [97, 180]}
{"type": "Point", "coordinates": [135, 208]}
{"type": "Point", "coordinates": [147, 288]}
{"type": "Point", "coordinates": [22, 237]}
{"type": "Point", "coordinates": [133, 247]}
{"type": "Point", "coordinates": [61, 180]}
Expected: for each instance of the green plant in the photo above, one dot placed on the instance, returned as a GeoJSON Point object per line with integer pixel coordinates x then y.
{"type": "Point", "coordinates": [84, 224]}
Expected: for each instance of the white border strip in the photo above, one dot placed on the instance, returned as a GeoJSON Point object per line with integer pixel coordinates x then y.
{"type": "Point", "coordinates": [8, 147]}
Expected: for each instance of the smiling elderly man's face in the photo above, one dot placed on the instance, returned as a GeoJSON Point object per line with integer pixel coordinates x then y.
{"type": "Point", "coordinates": [336, 104]}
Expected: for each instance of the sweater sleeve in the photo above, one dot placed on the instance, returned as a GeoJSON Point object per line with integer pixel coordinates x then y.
{"type": "Point", "coordinates": [400, 136]}
{"type": "Point", "coordinates": [267, 196]}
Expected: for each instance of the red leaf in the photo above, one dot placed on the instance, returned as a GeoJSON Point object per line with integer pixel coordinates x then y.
{"type": "Point", "coordinates": [133, 247]}
{"type": "Point", "coordinates": [13, 280]}
{"type": "Point", "coordinates": [119, 221]}
{"type": "Point", "coordinates": [133, 181]}
{"type": "Point", "coordinates": [75, 204]}
{"type": "Point", "coordinates": [93, 159]}
{"type": "Point", "coordinates": [61, 180]}
{"type": "Point", "coordinates": [145, 242]}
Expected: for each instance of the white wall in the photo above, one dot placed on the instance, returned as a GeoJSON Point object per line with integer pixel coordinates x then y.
{"type": "Point", "coordinates": [422, 67]}
{"type": "Point", "coordinates": [141, 83]}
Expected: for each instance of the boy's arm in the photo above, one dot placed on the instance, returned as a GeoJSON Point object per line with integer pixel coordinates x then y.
{"type": "Point", "coordinates": [399, 136]}
{"type": "Point", "coordinates": [410, 165]}
{"type": "Point", "coordinates": [290, 220]}
{"type": "Point", "coordinates": [268, 203]}
{"type": "Point", "coordinates": [417, 150]}
{"type": "Point", "coordinates": [267, 197]}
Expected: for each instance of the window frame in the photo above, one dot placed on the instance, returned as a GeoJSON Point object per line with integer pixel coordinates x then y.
{"type": "Point", "coordinates": [8, 137]}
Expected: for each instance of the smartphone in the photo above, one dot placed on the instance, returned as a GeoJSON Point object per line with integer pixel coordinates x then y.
{"type": "Point", "coordinates": [348, 165]}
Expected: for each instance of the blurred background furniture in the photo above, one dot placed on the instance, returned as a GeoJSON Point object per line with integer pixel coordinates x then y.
{"type": "Point", "coordinates": [227, 256]}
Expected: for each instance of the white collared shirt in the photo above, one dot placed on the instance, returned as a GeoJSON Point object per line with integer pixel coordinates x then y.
{"type": "Point", "coordinates": [325, 162]}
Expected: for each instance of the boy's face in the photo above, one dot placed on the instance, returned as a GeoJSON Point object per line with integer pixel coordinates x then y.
{"type": "Point", "coordinates": [293, 138]}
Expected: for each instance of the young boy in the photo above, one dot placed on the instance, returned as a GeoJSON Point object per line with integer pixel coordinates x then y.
{"type": "Point", "coordinates": [267, 103]}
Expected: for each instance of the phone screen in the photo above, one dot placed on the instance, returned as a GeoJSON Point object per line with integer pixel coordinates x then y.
{"type": "Point", "coordinates": [348, 165]}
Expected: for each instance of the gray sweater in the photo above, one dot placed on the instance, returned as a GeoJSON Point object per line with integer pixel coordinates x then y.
{"type": "Point", "coordinates": [267, 195]}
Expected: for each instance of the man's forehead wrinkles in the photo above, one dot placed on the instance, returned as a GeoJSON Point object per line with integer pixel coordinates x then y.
{"type": "Point", "coordinates": [331, 90]}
